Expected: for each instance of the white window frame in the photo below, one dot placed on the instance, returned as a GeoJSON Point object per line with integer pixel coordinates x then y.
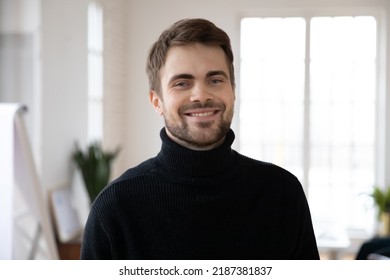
{"type": "Point", "coordinates": [382, 152]}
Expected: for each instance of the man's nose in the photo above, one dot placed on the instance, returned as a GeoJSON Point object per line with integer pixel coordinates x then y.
{"type": "Point", "coordinates": [200, 93]}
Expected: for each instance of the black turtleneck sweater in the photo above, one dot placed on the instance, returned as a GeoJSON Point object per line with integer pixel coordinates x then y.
{"type": "Point", "coordinates": [186, 204]}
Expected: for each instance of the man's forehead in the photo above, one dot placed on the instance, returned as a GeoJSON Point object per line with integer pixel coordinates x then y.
{"type": "Point", "coordinates": [194, 58]}
{"type": "Point", "coordinates": [194, 48]}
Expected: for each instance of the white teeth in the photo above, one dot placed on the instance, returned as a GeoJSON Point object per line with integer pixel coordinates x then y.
{"type": "Point", "coordinates": [202, 114]}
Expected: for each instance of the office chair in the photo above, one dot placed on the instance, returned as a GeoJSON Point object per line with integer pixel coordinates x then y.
{"type": "Point", "coordinates": [378, 247]}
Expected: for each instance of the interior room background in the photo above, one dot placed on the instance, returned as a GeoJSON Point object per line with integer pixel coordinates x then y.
{"type": "Point", "coordinates": [79, 66]}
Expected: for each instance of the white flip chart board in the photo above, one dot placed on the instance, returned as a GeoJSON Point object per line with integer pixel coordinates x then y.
{"type": "Point", "coordinates": [18, 170]}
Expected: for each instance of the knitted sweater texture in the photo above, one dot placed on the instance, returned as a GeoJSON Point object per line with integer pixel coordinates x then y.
{"type": "Point", "coordinates": [186, 204]}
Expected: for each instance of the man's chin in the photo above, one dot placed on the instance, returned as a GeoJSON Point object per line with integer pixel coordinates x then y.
{"type": "Point", "coordinates": [205, 137]}
{"type": "Point", "coordinates": [200, 135]}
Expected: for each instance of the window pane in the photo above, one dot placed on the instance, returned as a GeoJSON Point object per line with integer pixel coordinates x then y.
{"type": "Point", "coordinates": [342, 105]}
{"type": "Point", "coordinates": [95, 27]}
{"type": "Point", "coordinates": [95, 76]}
{"type": "Point", "coordinates": [272, 90]}
{"type": "Point", "coordinates": [342, 118]}
{"type": "Point", "coordinates": [95, 72]}
{"type": "Point", "coordinates": [95, 116]}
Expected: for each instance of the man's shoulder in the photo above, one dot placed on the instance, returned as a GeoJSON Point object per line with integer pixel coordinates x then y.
{"type": "Point", "coordinates": [255, 163]}
{"type": "Point", "coordinates": [135, 174]}
{"type": "Point", "coordinates": [131, 182]}
{"type": "Point", "coordinates": [263, 168]}
{"type": "Point", "coordinates": [246, 160]}
{"type": "Point", "coordinates": [141, 169]}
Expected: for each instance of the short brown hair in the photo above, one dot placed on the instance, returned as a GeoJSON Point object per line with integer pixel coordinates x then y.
{"type": "Point", "coordinates": [181, 33]}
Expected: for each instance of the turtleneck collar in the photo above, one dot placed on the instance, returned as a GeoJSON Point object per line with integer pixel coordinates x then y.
{"type": "Point", "coordinates": [181, 160]}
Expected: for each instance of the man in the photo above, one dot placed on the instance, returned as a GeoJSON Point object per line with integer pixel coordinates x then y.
{"type": "Point", "coordinates": [198, 198]}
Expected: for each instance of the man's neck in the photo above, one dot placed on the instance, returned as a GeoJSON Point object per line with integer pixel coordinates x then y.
{"type": "Point", "coordinates": [194, 147]}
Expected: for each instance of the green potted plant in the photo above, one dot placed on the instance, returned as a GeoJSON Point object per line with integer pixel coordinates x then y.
{"type": "Point", "coordinates": [95, 166]}
{"type": "Point", "coordinates": [381, 199]}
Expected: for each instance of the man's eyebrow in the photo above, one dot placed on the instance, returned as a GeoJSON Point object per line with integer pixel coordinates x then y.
{"type": "Point", "coordinates": [181, 76]}
{"type": "Point", "coordinates": [217, 73]}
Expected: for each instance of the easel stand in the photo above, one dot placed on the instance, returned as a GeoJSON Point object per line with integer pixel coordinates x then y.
{"type": "Point", "coordinates": [18, 168]}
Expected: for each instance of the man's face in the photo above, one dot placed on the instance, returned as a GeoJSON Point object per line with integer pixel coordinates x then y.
{"type": "Point", "coordinates": [197, 98]}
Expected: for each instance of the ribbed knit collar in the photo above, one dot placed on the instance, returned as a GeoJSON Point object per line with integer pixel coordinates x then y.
{"type": "Point", "coordinates": [183, 161]}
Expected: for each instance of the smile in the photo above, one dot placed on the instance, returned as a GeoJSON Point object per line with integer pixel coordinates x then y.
{"type": "Point", "coordinates": [203, 114]}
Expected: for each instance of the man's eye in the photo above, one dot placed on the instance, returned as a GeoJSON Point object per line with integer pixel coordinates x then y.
{"type": "Point", "coordinates": [215, 81]}
{"type": "Point", "coordinates": [180, 84]}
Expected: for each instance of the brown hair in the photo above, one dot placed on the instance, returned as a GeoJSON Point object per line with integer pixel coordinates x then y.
{"type": "Point", "coordinates": [185, 32]}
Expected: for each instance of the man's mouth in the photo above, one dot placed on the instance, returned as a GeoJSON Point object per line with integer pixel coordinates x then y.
{"type": "Point", "coordinates": [202, 114]}
{"type": "Point", "coordinates": [202, 111]}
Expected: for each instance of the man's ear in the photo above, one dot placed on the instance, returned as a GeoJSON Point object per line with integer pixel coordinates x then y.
{"type": "Point", "coordinates": [156, 102]}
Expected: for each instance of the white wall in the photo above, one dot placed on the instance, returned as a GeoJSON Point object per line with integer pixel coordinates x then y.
{"type": "Point", "coordinates": [64, 86]}
{"type": "Point", "coordinates": [19, 54]}
{"type": "Point", "coordinates": [57, 97]}
{"type": "Point", "coordinates": [19, 16]}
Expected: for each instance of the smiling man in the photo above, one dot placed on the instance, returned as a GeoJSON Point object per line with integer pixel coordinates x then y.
{"type": "Point", "coordinates": [196, 96]}
{"type": "Point", "coordinates": [198, 198]}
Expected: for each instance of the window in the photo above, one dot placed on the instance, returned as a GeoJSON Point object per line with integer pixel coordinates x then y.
{"type": "Point", "coordinates": [95, 72]}
{"type": "Point", "coordinates": [308, 97]}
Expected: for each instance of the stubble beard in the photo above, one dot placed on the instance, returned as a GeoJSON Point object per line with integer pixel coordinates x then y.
{"type": "Point", "coordinates": [202, 135]}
